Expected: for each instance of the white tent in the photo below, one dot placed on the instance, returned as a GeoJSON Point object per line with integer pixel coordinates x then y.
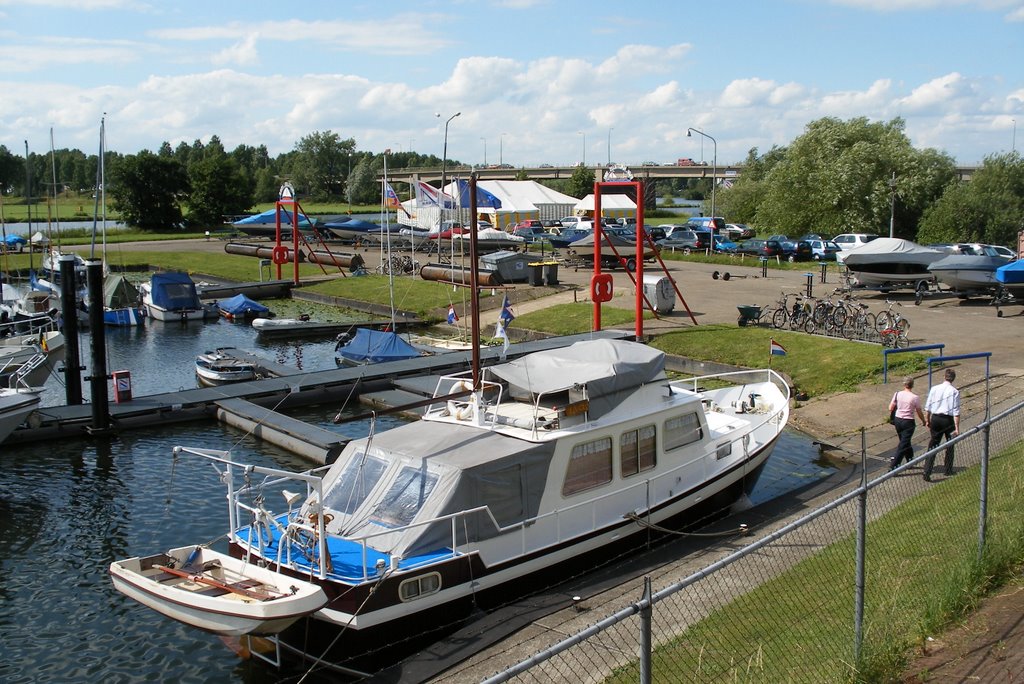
{"type": "Point", "coordinates": [612, 206]}
{"type": "Point", "coordinates": [39, 240]}
{"type": "Point", "coordinates": [520, 200]}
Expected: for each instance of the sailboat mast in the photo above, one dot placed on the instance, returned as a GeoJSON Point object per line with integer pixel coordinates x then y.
{"type": "Point", "coordinates": [387, 228]}
{"type": "Point", "coordinates": [53, 173]}
{"type": "Point", "coordinates": [28, 205]}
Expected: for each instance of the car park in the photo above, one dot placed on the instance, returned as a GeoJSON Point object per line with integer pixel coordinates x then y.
{"type": "Point", "coordinates": [773, 248]}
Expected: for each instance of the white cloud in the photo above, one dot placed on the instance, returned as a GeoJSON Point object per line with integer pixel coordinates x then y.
{"type": "Point", "coordinates": [854, 103]}
{"type": "Point", "coordinates": [243, 53]}
{"type": "Point", "coordinates": [935, 93]}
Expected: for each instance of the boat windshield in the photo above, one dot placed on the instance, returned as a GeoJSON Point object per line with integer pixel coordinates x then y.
{"type": "Point", "coordinates": [351, 488]}
{"type": "Point", "coordinates": [403, 500]}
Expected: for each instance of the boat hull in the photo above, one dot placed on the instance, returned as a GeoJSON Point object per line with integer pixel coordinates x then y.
{"type": "Point", "coordinates": [215, 592]}
{"type": "Point", "coordinates": [15, 407]}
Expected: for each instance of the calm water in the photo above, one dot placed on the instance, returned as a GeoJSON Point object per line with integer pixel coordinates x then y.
{"type": "Point", "coordinates": [67, 509]}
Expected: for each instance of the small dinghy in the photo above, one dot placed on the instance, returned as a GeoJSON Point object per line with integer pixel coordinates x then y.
{"type": "Point", "coordinates": [221, 367]}
{"type": "Point", "coordinates": [217, 593]}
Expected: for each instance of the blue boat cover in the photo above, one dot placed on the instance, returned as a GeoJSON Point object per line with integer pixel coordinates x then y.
{"type": "Point", "coordinates": [174, 291]}
{"type": "Point", "coordinates": [270, 217]}
{"type": "Point", "coordinates": [354, 225]}
{"type": "Point", "coordinates": [375, 346]}
{"type": "Point", "coordinates": [14, 241]}
{"type": "Point", "coordinates": [240, 305]}
{"type": "Point", "coordinates": [1012, 273]}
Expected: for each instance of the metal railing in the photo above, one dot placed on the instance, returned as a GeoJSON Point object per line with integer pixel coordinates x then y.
{"type": "Point", "coordinates": [838, 594]}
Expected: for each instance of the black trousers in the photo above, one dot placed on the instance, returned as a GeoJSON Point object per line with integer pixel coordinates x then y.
{"type": "Point", "coordinates": [904, 452]}
{"type": "Point", "coordinates": [942, 426]}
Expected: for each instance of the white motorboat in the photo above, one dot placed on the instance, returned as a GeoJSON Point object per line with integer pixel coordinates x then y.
{"type": "Point", "coordinates": [552, 458]}
{"type": "Point", "coordinates": [890, 263]}
{"type": "Point", "coordinates": [215, 592]}
{"type": "Point", "coordinates": [221, 367]}
{"type": "Point", "coordinates": [15, 407]}
{"type": "Point", "coordinates": [968, 274]}
{"type": "Point", "coordinates": [302, 326]}
{"type": "Point", "coordinates": [173, 297]}
{"type": "Point", "coordinates": [17, 351]}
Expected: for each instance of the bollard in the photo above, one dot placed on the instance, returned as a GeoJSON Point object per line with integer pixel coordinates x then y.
{"type": "Point", "coordinates": [810, 284]}
{"type": "Point", "coordinates": [764, 267]}
{"type": "Point", "coordinates": [824, 267]}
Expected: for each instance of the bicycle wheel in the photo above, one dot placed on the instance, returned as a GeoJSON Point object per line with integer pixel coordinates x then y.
{"type": "Point", "coordinates": [839, 315]}
{"type": "Point", "coordinates": [853, 329]}
{"type": "Point", "coordinates": [889, 339]}
{"type": "Point", "coordinates": [797, 320]}
{"type": "Point", "coordinates": [883, 321]}
{"type": "Point", "coordinates": [903, 325]}
{"type": "Point", "coordinates": [869, 321]}
{"type": "Point", "coordinates": [810, 327]}
{"type": "Point", "coordinates": [902, 341]}
{"type": "Point", "coordinates": [779, 318]}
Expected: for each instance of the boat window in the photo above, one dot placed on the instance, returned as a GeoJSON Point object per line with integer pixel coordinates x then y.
{"type": "Point", "coordinates": [404, 499]}
{"type": "Point", "coordinates": [590, 465]}
{"type": "Point", "coordinates": [418, 587]}
{"type": "Point", "coordinates": [636, 450]}
{"type": "Point", "coordinates": [682, 430]}
{"type": "Point", "coordinates": [360, 476]}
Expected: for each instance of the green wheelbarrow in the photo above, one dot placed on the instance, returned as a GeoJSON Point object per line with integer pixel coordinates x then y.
{"type": "Point", "coordinates": [751, 314]}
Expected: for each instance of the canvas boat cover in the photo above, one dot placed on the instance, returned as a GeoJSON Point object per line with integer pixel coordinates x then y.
{"type": "Point", "coordinates": [375, 346]}
{"type": "Point", "coordinates": [1012, 273]}
{"type": "Point", "coordinates": [354, 225]}
{"type": "Point", "coordinates": [891, 249]}
{"type": "Point", "coordinates": [270, 217]}
{"type": "Point", "coordinates": [967, 262]}
{"type": "Point", "coordinates": [174, 291]}
{"type": "Point", "coordinates": [240, 305]}
{"type": "Point", "coordinates": [119, 293]}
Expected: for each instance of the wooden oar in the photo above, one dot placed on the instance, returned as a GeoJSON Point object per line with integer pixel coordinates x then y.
{"type": "Point", "coordinates": [249, 593]}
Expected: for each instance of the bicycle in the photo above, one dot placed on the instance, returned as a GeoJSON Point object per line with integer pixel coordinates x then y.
{"type": "Point", "coordinates": [860, 323]}
{"type": "Point", "coordinates": [892, 319]}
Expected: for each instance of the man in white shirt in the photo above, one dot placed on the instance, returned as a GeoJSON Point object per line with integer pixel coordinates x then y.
{"type": "Point", "coordinates": [942, 416]}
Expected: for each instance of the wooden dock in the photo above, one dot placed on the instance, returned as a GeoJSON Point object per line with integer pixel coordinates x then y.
{"type": "Point", "coordinates": [384, 383]}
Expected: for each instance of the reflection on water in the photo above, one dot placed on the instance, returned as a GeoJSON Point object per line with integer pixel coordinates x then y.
{"type": "Point", "coordinates": [67, 509]}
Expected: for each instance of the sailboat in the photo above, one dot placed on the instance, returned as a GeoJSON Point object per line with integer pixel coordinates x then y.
{"type": "Point", "coordinates": [121, 298]}
{"type": "Point", "coordinates": [365, 346]}
{"type": "Point", "coordinates": [514, 472]}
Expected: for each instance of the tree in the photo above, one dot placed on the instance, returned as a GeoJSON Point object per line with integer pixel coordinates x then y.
{"type": "Point", "coordinates": [581, 183]}
{"type": "Point", "coordinates": [836, 178]}
{"type": "Point", "coordinates": [740, 202]}
{"type": "Point", "coordinates": [322, 164]}
{"type": "Point", "coordinates": [218, 189]}
{"type": "Point", "coordinates": [362, 184]}
{"type": "Point", "coordinates": [989, 208]}
{"type": "Point", "coordinates": [148, 191]}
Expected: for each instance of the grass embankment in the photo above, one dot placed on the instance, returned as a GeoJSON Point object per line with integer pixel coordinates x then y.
{"type": "Point", "coordinates": [922, 574]}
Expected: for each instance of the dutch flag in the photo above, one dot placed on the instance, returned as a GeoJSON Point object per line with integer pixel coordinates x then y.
{"type": "Point", "coordinates": [452, 316]}
{"type": "Point", "coordinates": [777, 349]}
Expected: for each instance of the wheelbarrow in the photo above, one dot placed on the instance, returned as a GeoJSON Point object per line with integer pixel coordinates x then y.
{"type": "Point", "coordinates": [751, 314]}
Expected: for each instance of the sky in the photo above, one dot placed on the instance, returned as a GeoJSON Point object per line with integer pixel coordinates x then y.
{"type": "Point", "coordinates": [533, 81]}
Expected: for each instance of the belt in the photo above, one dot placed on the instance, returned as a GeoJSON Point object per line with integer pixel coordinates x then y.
{"type": "Point", "coordinates": [941, 415]}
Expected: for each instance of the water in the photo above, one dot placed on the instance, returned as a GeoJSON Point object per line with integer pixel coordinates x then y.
{"type": "Point", "coordinates": [68, 508]}
{"type": "Point", "coordinates": [28, 229]}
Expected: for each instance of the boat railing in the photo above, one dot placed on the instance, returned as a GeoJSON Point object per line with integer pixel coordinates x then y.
{"type": "Point", "coordinates": [32, 325]}
{"type": "Point", "coordinates": [19, 371]}
{"type": "Point", "coordinates": [456, 398]}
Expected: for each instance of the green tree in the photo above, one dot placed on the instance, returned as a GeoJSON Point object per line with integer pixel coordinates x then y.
{"type": "Point", "coordinates": [148, 191]}
{"type": "Point", "coordinates": [988, 208]}
{"type": "Point", "coordinates": [322, 164]}
{"type": "Point", "coordinates": [581, 183]}
{"type": "Point", "coordinates": [739, 203]}
{"type": "Point", "coordinates": [218, 189]}
{"type": "Point", "coordinates": [836, 178]}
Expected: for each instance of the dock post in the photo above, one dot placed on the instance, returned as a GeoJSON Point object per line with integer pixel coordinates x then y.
{"type": "Point", "coordinates": [98, 379]}
{"type": "Point", "coordinates": [69, 313]}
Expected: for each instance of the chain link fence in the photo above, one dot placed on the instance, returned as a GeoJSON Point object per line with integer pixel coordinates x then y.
{"type": "Point", "coordinates": [841, 594]}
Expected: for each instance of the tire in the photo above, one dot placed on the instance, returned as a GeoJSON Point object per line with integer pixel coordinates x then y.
{"type": "Point", "coordinates": [798, 320]}
{"type": "Point", "coordinates": [903, 325]}
{"type": "Point", "coordinates": [810, 327]}
{"type": "Point", "coordinates": [902, 341]}
{"type": "Point", "coordinates": [889, 340]}
{"type": "Point", "coordinates": [869, 321]}
{"type": "Point", "coordinates": [779, 318]}
{"type": "Point", "coordinates": [883, 321]}
{"type": "Point", "coordinates": [839, 316]}
{"type": "Point", "coordinates": [631, 264]}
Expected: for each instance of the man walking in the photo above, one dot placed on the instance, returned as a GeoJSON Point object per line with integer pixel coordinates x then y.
{"type": "Point", "coordinates": [942, 416]}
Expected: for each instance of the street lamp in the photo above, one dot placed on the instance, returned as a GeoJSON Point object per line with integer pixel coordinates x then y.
{"type": "Point", "coordinates": [501, 150]}
{"type": "Point", "coordinates": [485, 151]}
{"type": "Point", "coordinates": [714, 164]}
{"type": "Point", "coordinates": [1014, 148]}
{"type": "Point", "coordinates": [584, 163]}
{"type": "Point", "coordinates": [609, 146]}
{"type": "Point", "coordinates": [348, 182]}
{"type": "Point", "coordinates": [892, 206]}
{"type": "Point", "coordinates": [444, 155]}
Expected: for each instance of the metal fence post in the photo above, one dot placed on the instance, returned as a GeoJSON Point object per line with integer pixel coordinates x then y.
{"type": "Point", "coordinates": [983, 493]}
{"type": "Point", "coordinates": [645, 633]}
{"type": "Point", "coordinates": [862, 521]}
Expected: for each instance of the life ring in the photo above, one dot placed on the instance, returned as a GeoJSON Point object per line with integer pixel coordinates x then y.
{"type": "Point", "coordinates": [279, 255]}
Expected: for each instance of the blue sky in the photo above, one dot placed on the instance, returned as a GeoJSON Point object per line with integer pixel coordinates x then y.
{"type": "Point", "coordinates": [536, 81]}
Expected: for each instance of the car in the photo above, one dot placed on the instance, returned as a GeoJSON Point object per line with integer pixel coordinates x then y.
{"type": "Point", "coordinates": [848, 241]}
{"type": "Point", "coordinates": [570, 221]}
{"type": "Point", "coordinates": [739, 231]}
{"type": "Point", "coordinates": [779, 238]}
{"type": "Point", "coordinates": [655, 232]}
{"type": "Point", "coordinates": [753, 246]}
{"type": "Point", "coordinates": [798, 250]}
{"type": "Point", "coordinates": [686, 239]}
{"type": "Point", "coordinates": [529, 223]}
{"type": "Point", "coordinates": [773, 248]}
{"type": "Point", "coordinates": [531, 233]}
{"type": "Point", "coordinates": [1004, 251]}
{"type": "Point", "coordinates": [669, 228]}
{"type": "Point", "coordinates": [823, 250]}
{"type": "Point", "coordinates": [724, 245]}
{"type": "Point", "coordinates": [715, 224]}
{"type": "Point", "coordinates": [811, 236]}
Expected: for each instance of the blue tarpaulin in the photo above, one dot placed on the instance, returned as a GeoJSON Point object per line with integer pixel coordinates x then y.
{"type": "Point", "coordinates": [240, 305]}
{"type": "Point", "coordinates": [14, 241]}
{"type": "Point", "coordinates": [483, 197]}
{"type": "Point", "coordinates": [174, 291]}
{"type": "Point", "coordinates": [375, 346]}
{"type": "Point", "coordinates": [1012, 273]}
{"type": "Point", "coordinates": [270, 217]}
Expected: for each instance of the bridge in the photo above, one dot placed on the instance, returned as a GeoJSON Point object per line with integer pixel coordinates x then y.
{"type": "Point", "coordinates": [640, 172]}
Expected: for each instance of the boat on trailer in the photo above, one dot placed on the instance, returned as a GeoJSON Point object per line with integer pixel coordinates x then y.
{"type": "Point", "coordinates": [536, 463]}
{"type": "Point", "coordinates": [214, 592]}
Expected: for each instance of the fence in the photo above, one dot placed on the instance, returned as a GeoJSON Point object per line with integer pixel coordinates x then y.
{"type": "Point", "coordinates": [840, 594]}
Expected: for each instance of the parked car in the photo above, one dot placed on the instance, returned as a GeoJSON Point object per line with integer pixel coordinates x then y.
{"type": "Point", "coordinates": [773, 248]}
{"type": "Point", "coordinates": [848, 241]}
{"type": "Point", "coordinates": [715, 224]}
{"type": "Point", "coordinates": [529, 223]}
{"type": "Point", "coordinates": [724, 245]}
{"type": "Point", "coordinates": [531, 233]}
{"type": "Point", "coordinates": [823, 250]}
{"type": "Point", "coordinates": [739, 231]}
{"type": "Point", "coordinates": [670, 228]}
{"type": "Point", "coordinates": [753, 246]}
{"type": "Point", "coordinates": [655, 232]}
{"type": "Point", "coordinates": [686, 240]}
{"type": "Point", "coordinates": [569, 221]}
{"type": "Point", "coordinates": [798, 250]}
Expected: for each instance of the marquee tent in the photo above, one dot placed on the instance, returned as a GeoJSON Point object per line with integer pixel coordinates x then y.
{"type": "Point", "coordinates": [519, 201]}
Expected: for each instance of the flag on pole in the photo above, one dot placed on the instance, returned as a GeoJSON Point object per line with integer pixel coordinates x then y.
{"type": "Point", "coordinates": [499, 331]}
{"type": "Point", "coordinates": [429, 196]}
{"type": "Point", "coordinates": [452, 316]}
{"type": "Point", "coordinates": [777, 349]}
{"type": "Point", "coordinates": [391, 198]}
{"type": "Point", "coordinates": [506, 312]}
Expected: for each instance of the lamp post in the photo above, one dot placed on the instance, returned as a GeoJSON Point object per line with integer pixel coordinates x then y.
{"type": "Point", "coordinates": [1014, 148]}
{"type": "Point", "coordinates": [444, 157]}
{"type": "Point", "coordinates": [609, 146]}
{"type": "Point", "coordinates": [892, 206]}
{"type": "Point", "coordinates": [584, 163]}
{"type": "Point", "coordinates": [348, 182]}
{"type": "Point", "coordinates": [485, 151]}
{"type": "Point", "coordinates": [714, 164]}
{"type": "Point", "coordinates": [501, 149]}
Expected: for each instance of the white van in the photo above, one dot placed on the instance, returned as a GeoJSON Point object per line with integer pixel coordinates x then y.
{"type": "Point", "coordinates": [848, 241]}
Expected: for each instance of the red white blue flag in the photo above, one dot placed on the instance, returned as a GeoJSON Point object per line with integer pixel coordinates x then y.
{"type": "Point", "coordinates": [452, 316]}
{"type": "Point", "coordinates": [777, 349]}
{"type": "Point", "coordinates": [429, 196]}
